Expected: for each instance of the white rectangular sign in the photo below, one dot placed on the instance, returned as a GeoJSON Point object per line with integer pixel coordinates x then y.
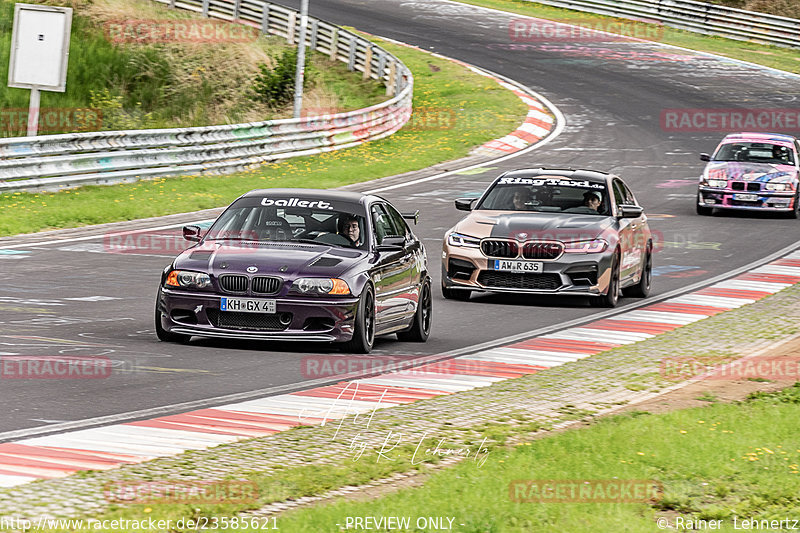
{"type": "Point", "coordinates": [40, 47]}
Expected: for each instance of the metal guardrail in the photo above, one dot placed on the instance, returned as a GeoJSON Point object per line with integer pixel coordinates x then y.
{"type": "Point", "coordinates": [52, 162]}
{"type": "Point", "coordinates": [697, 17]}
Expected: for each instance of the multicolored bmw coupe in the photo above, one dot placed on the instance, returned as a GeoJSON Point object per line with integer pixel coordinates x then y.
{"type": "Point", "coordinates": [550, 231]}
{"type": "Point", "coordinates": [751, 171]}
{"type": "Point", "coordinates": [299, 264]}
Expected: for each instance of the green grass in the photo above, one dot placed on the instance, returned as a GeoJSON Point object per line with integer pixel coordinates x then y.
{"type": "Point", "coordinates": [771, 56]}
{"type": "Point", "coordinates": [167, 84]}
{"type": "Point", "coordinates": [455, 110]}
{"type": "Point", "coordinates": [713, 462]}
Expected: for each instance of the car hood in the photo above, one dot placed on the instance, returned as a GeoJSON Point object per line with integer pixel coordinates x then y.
{"type": "Point", "coordinates": [745, 171]}
{"type": "Point", "coordinates": [534, 226]}
{"type": "Point", "coordinates": [287, 260]}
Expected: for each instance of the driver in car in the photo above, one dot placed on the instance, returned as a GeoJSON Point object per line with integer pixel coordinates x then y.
{"type": "Point", "coordinates": [350, 229]}
{"type": "Point", "coordinates": [592, 200]}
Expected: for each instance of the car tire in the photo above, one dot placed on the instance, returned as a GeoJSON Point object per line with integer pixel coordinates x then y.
{"type": "Point", "coordinates": [795, 212]}
{"type": "Point", "coordinates": [611, 298]}
{"type": "Point", "coordinates": [642, 289]}
{"type": "Point", "coordinates": [364, 330]}
{"type": "Point", "coordinates": [702, 210]}
{"type": "Point", "coordinates": [167, 336]}
{"type": "Point", "coordinates": [455, 294]}
{"type": "Point", "coordinates": [420, 328]}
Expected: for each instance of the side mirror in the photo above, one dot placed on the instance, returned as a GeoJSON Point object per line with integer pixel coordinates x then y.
{"type": "Point", "coordinates": [705, 157]}
{"type": "Point", "coordinates": [392, 243]}
{"type": "Point", "coordinates": [464, 204]}
{"type": "Point", "coordinates": [412, 216]}
{"type": "Point", "coordinates": [191, 233]}
{"type": "Point", "coordinates": [630, 211]}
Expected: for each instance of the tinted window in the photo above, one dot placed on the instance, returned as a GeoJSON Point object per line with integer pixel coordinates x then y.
{"type": "Point", "coordinates": [398, 220]}
{"type": "Point", "coordinates": [755, 152]}
{"type": "Point", "coordinates": [257, 223]}
{"type": "Point", "coordinates": [383, 223]}
{"type": "Point", "coordinates": [546, 195]}
{"type": "Point", "coordinates": [619, 195]}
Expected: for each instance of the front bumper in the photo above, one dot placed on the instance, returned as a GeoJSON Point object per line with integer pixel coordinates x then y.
{"type": "Point", "coordinates": [578, 274]}
{"type": "Point", "coordinates": [296, 319]}
{"type": "Point", "coordinates": [777, 201]}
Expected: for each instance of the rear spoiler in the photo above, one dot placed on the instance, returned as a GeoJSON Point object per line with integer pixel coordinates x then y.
{"type": "Point", "coordinates": [412, 216]}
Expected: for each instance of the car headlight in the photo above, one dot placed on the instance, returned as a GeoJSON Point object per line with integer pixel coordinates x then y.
{"type": "Point", "coordinates": [459, 239]}
{"type": "Point", "coordinates": [321, 286]}
{"type": "Point", "coordinates": [585, 247]}
{"type": "Point", "coordinates": [188, 280]}
{"type": "Point", "coordinates": [778, 187]}
{"type": "Point", "coordinates": [718, 184]}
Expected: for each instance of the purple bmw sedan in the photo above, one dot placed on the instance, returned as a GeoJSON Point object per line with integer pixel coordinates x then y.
{"type": "Point", "coordinates": [299, 264]}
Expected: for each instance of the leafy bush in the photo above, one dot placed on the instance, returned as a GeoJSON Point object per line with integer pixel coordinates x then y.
{"type": "Point", "coordinates": [275, 86]}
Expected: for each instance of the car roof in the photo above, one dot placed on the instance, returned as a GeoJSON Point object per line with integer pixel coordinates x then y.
{"type": "Point", "coordinates": [758, 137]}
{"type": "Point", "coordinates": [594, 176]}
{"type": "Point", "coordinates": [324, 194]}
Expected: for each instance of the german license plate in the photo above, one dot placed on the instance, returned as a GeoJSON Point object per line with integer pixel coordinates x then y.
{"type": "Point", "coordinates": [746, 197]}
{"type": "Point", "coordinates": [247, 305]}
{"type": "Point", "coordinates": [504, 265]}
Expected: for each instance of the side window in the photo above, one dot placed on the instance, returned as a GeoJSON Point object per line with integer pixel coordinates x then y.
{"type": "Point", "coordinates": [629, 198]}
{"type": "Point", "coordinates": [619, 196]}
{"type": "Point", "coordinates": [382, 222]}
{"type": "Point", "coordinates": [398, 222]}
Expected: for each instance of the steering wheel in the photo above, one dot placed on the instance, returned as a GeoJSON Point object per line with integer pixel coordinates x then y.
{"type": "Point", "coordinates": [333, 238]}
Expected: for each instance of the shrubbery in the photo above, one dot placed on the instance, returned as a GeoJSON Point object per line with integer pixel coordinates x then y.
{"type": "Point", "coordinates": [275, 86]}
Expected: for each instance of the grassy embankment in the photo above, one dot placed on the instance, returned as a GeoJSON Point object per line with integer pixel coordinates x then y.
{"type": "Point", "coordinates": [137, 78]}
{"type": "Point", "coordinates": [711, 463]}
{"type": "Point", "coordinates": [456, 110]}
{"type": "Point", "coordinates": [714, 463]}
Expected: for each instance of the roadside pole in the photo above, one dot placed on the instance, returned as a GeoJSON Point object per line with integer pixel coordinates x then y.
{"type": "Point", "coordinates": [301, 60]}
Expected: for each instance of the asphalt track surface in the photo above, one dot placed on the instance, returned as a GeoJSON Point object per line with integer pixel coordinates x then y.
{"type": "Point", "coordinates": [74, 298]}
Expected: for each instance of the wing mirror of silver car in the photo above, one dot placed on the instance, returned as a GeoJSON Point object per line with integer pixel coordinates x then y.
{"type": "Point", "coordinates": [630, 211]}
{"type": "Point", "coordinates": [191, 233]}
{"type": "Point", "coordinates": [464, 204]}
{"type": "Point", "coordinates": [392, 243]}
{"type": "Point", "coordinates": [705, 157]}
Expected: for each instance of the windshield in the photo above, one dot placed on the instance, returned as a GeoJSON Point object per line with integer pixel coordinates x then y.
{"type": "Point", "coordinates": [755, 153]}
{"type": "Point", "coordinates": [550, 195]}
{"type": "Point", "coordinates": [290, 224]}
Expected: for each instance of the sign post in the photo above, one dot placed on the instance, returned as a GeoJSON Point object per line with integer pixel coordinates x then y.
{"type": "Point", "coordinates": [39, 53]}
